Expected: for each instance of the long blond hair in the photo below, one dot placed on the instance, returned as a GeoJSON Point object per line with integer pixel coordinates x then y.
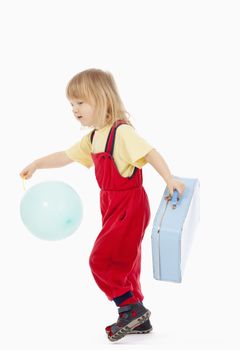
{"type": "Point", "coordinates": [98, 87]}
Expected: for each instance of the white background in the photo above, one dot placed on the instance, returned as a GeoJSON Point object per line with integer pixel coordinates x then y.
{"type": "Point", "coordinates": [176, 64]}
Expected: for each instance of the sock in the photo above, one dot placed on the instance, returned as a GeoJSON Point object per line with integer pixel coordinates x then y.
{"type": "Point", "coordinates": [131, 300]}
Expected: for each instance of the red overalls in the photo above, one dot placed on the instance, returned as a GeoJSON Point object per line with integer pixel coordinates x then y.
{"type": "Point", "coordinates": [115, 260]}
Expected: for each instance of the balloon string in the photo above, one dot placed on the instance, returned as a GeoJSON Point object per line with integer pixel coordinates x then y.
{"type": "Point", "coordinates": [23, 183]}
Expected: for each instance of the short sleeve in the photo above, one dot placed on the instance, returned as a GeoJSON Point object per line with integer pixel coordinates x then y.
{"type": "Point", "coordinates": [132, 147]}
{"type": "Point", "coordinates": [81, 151]}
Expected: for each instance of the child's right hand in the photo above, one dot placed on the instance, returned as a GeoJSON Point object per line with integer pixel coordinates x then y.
{"type": "Point", "coordinates": [27, 172]}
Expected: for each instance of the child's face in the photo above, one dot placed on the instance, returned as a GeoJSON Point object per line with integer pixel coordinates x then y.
{"type": "Point", "coordinates": [83, 112]}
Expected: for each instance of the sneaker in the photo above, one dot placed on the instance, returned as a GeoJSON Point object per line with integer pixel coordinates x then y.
{"type": "Point", "coordinates": [143, 328]}
{"type": "Point", "coordinates": [130, 317]}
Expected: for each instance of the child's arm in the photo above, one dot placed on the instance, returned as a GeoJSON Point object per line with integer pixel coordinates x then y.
{"type": "Point", "coordinates": [53, 160]}
{"type": "Point", "coordinates": [157, 161]}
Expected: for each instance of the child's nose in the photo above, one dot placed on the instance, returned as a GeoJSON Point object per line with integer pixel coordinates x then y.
{"type": "Point", "coordinates": [75, 109]}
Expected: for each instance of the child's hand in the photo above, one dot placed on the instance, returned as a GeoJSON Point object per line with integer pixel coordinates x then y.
{"type": "Point", "coordinates": [175, 184]}
{"type": "Point", "coordinates": [27, 172]}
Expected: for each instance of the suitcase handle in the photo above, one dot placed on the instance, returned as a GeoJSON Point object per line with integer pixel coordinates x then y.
{"type": "Point", "coordinates": [174, 198]}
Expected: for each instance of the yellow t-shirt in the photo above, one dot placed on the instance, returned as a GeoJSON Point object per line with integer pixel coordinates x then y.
{"type": "Point", "coordinates": [128, 152]}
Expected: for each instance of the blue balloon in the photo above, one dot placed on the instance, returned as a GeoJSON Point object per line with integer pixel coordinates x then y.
{"type": "Point", "coordinates": [51, 210]}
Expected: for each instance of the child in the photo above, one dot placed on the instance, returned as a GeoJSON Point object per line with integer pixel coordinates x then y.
{"type": "Point", "coordinates": [118, 154]}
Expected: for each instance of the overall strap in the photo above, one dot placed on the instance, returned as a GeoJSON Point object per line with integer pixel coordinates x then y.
{"type": "Point", "coordinates": [111, 136]}
{"type": "Point", "coordinates": [92, 134]}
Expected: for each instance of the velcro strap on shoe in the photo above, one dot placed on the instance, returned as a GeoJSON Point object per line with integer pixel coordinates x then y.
{"type": "Point", "coordinates": [124, 308]}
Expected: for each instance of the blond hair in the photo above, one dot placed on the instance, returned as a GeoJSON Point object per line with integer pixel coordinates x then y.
{"type": "Point", "coordinates": [98, 87]}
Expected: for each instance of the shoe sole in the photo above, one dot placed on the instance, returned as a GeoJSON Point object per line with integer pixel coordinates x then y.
{"type": "Point", "coordinates": [134, 331]}
{"type": "Point", "coordinates": [141, 332]}
{"type": "Point", "coordinates": [129, 327]}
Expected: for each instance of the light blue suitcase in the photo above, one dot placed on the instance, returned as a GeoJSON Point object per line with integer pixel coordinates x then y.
{"type": "Point", "coordinates": [173, 230]}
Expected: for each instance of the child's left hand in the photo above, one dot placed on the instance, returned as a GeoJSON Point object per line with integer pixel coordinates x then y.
{"type": "Point", "coordinates": [175, 184]}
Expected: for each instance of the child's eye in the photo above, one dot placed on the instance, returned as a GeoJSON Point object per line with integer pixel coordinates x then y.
{"type": "Point", "coordinates": [79, 103]}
